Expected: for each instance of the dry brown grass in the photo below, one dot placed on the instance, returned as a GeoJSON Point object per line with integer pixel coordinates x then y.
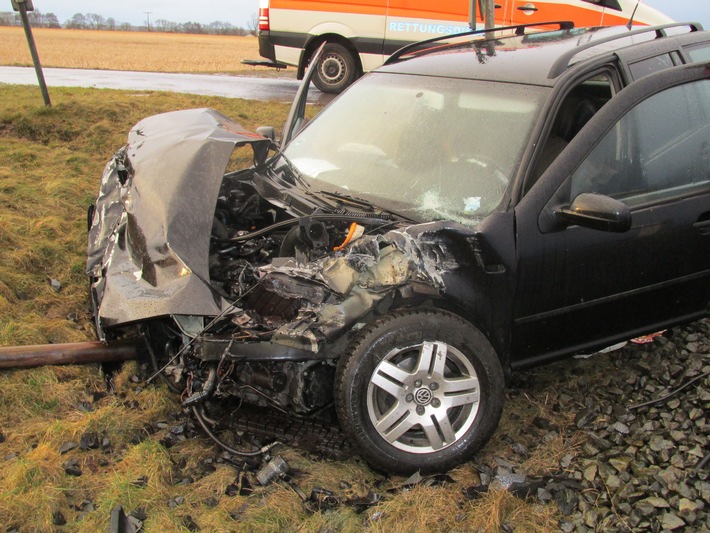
{"type": "Point", "coordinates": [444, 508]}
{"type": "Point", "coordinates": [140, 51]}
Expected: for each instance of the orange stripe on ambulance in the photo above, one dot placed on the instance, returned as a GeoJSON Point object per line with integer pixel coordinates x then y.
{"type": "Point", "coordinates": [361, 34]}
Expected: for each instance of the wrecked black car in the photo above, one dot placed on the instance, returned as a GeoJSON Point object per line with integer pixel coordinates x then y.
{"type": "Point", "coordinates": [474, 207]}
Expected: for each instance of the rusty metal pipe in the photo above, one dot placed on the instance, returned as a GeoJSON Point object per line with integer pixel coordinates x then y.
{"type": "Point", "coordinates": [75, 353]}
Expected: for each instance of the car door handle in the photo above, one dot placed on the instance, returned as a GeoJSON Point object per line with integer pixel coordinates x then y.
{"type": "Point", "coordinates": [528, 7]}
{"type": "Point", "coordinates": [703, 227]}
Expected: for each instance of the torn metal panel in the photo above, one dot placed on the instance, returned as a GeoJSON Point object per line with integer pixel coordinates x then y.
{"type": "Point", "coordinates": [356, 281]}
{"type": "Point", "coordinates": [150, 236]}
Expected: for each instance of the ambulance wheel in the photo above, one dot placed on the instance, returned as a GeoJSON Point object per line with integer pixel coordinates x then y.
{"type": "Point", "coordinates": [336, 69]}
{"type": "Point", "coordinates": [419, 390]}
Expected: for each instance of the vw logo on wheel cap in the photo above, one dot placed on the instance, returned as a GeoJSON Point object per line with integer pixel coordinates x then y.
{"type": "Point", "coordinates": [422, 396]}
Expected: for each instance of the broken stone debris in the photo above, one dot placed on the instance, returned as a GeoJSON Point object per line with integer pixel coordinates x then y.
{"type": "Point", "coordinates": [641, 466]}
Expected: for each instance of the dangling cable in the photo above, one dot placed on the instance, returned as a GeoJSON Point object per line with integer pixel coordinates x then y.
{"type": "Point", "coordinates": [199, 417]}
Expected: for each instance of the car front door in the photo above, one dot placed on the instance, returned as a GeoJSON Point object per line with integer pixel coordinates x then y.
{"type": "Point", "coordinates": [581, 288]}
{"type": "Point", "coordinates": [581, 12]}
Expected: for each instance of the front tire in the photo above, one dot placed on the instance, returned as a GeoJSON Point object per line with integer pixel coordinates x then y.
{"type": "Point", "coordinates": [419, 390]}
{"type": "Point", "coordinates": [336, 69]}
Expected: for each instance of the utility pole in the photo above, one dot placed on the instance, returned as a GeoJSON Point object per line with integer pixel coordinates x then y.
{"type": "Point", "coordinates": [23, 6]}
{"type": "Point", "coordinates": [147, 19]}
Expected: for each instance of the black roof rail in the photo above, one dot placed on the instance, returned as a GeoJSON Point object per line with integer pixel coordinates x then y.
{"type": "Point", "coordinates": [562, 62]}
{"type": "Point", "coordinates": [519, 30]}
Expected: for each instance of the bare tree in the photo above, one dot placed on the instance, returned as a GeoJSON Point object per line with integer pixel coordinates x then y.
{"type": "Point", "coordinates": [77, 22]}
{"type": "Point", "coordinates": [8, 18]}
{"type": "Point", "coordinates": [192, 27]}
{"type": "Point", "coordinates": [219, 27]}
{"type": "Point", "coordinates": [161, 25]}
{"type": "Point", "coordinates": [95, 22]}
{"type": "Point", "coordinates": [253, 25]}
{"type": "Point", "coordinates": [52, 21]}
{"type": "Point", "coordinates": [35, 18]}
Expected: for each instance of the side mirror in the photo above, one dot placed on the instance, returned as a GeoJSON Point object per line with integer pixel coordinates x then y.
{"type": "Point", "coordinates": [596, 211]}
{"type": "Point", "coordinates": [267, 131]}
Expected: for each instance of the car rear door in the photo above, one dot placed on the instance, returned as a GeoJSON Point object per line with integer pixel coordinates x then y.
{"type": "Point", "coordinates": [580, 288]}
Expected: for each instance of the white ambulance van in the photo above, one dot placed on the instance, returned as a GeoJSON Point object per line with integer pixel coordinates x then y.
{"type": "Point", "coordinates": [361, 34]}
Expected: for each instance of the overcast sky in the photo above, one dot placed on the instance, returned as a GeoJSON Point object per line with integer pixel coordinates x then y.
{"type": "Point", "coordinates": [685, 10]}
{"type": "Point", "coordinates": [236, 12]}
{"type": "Point", "coordinates": [240, 12]}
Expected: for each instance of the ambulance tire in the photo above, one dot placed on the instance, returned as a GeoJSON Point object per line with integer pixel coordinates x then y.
{"type": "Point", "coordinates": [336, 69]}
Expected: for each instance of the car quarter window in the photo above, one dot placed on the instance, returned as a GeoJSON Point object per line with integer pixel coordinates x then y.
{"type": "Point", "coordinates": [642, 68]}
{"type": "Point", "coordinates": [699, 52]}
{"type": "Point", "coordinates": [659, 150]}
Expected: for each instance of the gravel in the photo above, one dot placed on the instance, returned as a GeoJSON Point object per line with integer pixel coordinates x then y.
{"type": "Point", "coordinates": [644, 461]}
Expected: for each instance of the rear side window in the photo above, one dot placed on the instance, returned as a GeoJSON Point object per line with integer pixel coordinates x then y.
{"type": "Point", "coordinates": [699, 53]}
{"type": "Point", "coordinates": [658, 151]}
{"type": "Point", "coordinates": [649, 66]}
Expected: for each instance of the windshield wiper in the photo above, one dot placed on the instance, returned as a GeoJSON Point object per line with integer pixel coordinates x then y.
{"type": "Point", "coordinates": [296, 178]}
{"type": "Point", "coordinates": [345, 199]}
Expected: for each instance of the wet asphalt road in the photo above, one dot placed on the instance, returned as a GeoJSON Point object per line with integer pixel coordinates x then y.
{"type": "Point", "coordinates": [267, 89]}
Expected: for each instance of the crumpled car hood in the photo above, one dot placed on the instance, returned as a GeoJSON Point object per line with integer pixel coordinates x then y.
{"type": "Point", "coordinates": [150, 234]}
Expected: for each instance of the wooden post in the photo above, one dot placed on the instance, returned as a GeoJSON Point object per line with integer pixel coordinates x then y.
{"type": "Point", "coordinates": [66, 354]}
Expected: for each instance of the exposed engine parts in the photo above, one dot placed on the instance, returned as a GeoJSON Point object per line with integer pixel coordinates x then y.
{"type": "Point", "coordinates": [247, 234]}
{"type": "Point", "coordinates": [289, 387]}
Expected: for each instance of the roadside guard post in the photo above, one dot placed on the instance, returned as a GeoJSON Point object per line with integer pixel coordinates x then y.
{"type": "Point", "coordinates": [486, 8]}
{"type": "Point", "coordinates": [23, 6]}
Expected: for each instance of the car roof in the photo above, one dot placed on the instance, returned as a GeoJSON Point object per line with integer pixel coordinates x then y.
{"type": "Point", "coordinates": [535, 58]}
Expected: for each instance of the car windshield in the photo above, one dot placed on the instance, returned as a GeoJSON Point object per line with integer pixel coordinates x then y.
{"type": "Point", "coordinates": [428, 148]}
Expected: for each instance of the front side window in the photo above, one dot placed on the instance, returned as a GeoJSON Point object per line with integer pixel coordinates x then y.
{"type": "Point", "coordinates": [430, 148]}
{"type": "Point", "coordinates": [578, 107]}
{"type": "Point", "coordinates": [657, 151]}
